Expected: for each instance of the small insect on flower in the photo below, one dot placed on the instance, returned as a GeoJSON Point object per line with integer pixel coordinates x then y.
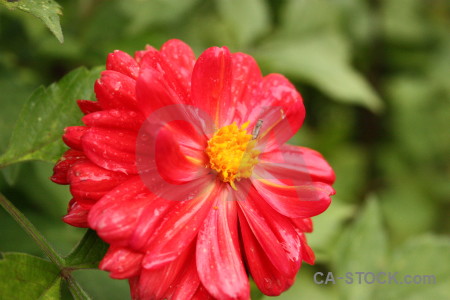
{"type": "Point", "coordinates": [256, 129]}
{"type": "Point", "coordinates": [183, 169]}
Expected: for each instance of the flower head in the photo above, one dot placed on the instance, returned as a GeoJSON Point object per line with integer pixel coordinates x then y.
{"type": "Point", "coordinates": [183, 169]}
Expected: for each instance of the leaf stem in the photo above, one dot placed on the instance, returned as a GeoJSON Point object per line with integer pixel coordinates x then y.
{"type": "Point", "coordinates": [76, 290]}
{"type": "Point", "coordinates": [32, 231]}
{"type": "Point", "coordinates": [74, 287]}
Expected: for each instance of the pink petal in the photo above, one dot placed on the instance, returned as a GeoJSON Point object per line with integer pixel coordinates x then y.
{"type": "Point", "coordinates": [211, 85]}
{"type": "Point", "coordinates": [188, 126]}
{"type": "Point", "coordinates": [179, 229]}
{"type": "Point", "coordinates": [115, 90]}
{"type": "Point", "coordinates": [123, 63]}
{"type": "Point", "coordinates": [268, 279]}
{"type": "Point", "coordinates": [72, 136]}
{"type": "Point", "coordinates": [181, 59]}
{"type": "Point", "coordinates": [275, 233]}
{"type": "Point", "coordinates": [299, 163]}
{"type": "Point", "coordinates": [87, 106]}
{"type": "Point", "coordinates": [89, 182]}
{"type": "Point", "coordinates": [188, 283]}
{"type": "Point", "coordinates": [246, 80]}
{"type": "Point", "coordinates": [175, 192]}
{"type": "Point", "coordinates": [173, 165]}
{"type": "Point", "coordinates": [134, 287]}
{"type": "Point", "coordinates": [157, 284]}
{"type": "Point", "coordinates": [121, 263]}
{"type": "Point", "coordinates": [219, 261]}
{"type": "Point", "coordinates": [115, 216]}
{"type": "Point", "coordinates": [192, 140]}
{"type": "Point", "coordinates": [302, 200]}
{"type": "Point", "coordinates": [69, 158]}
{"type": "Point", "coordinates": [303, 224]}
{"type": "Point", "coordinates": [157, 62]}
{"type": "Point", "coordinates": [112, 149]}
{"type": "Point", "coordinates": [76, 215]}
{"type": "Point", "coordinates": [151, 218]}
{"type": "Point", "coordinates": [202, 294]}
{"type": "Point", "coordinates": [281, 110]}
{"type": "Point", "coordinates": [170, 164]}
{"type": "Point", "coordinates": [166, 210]}
{"type": "Point", "coordinates": [307, 253]}
{"type": "Point", "coordinates": [153, 91]}
{"type": "Point", "coordinates": [139, 55]}
{"type": "Point", "coordinates": [114, 118]}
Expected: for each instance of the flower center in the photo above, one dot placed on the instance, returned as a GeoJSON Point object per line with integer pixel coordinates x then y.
{"type": "Point", "coordinates": [231, 153]}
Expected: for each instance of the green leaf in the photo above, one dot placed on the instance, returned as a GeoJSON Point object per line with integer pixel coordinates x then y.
{"type": "Point", "coordinates": [49, 200]}
{"type": "Point", "coordinates": [424, 255]}
{"type": "Point", "coordinates": [11, 174]}
{"type": "Point", "coordinates": [24, 277]}
{"type": "Point", "coordinates": [363, 248]}
{"type": "Point", "coordinates": [408, 210]}
{"type": "Point", "coordinates": [16, 86]}
{"type": "Point", "coordinates": [145, 14]}
{"type": "Point", "coordinates": [308, 17]}
{"type": "Point", "coordinates": [311, 46]}
{"type": "Point", "coordinates": [37, 133]}
{"type": "Point", "coordinates": [53, 292]}
{"type": "Point", "coordinates": [88, 253]}
{"type": "Point", "coordinates": [402, 21]}
{"type": "Point", "coordinates": [46, 10]}
{"type": "Point", "coordinates": [322, 61]}
{"type": "Point", "coordinates": [246, 19]}
{"type": "Point", "coordinates": [327, 227]}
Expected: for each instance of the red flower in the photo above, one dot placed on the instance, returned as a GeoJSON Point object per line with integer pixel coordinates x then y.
{"type": "Point", "coordinates": [182, 168]}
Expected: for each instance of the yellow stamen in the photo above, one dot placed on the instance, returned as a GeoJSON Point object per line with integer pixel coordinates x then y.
{"type": "Point", "coordinates": [231, 153]}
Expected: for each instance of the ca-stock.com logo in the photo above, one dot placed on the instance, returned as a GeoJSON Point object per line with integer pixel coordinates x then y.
{"type": "Point", "coordinates": [372, 278]}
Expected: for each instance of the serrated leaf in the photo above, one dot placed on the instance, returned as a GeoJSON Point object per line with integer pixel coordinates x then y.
{"type": "Point", "coordinates": [28, 277]}
{"type": "Point", "coordinates": [363, 248]}
{"type": "Point", "coordinates": [246, 19]}
{"type": "Point", "coordinates": [46, 10]}
{"type": "Point", "coordinates": [88, 253]}
{"type": "Point", "coordinates": [37, 133]}
{"type": "Point", "coordinates": [323, 61]}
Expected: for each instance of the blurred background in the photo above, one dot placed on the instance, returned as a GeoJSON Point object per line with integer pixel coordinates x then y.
{"type": "Point", "coordinates": [375, 78]}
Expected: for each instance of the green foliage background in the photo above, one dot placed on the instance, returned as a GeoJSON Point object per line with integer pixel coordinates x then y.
{"type": "Point", "coordinates": [375, 78]}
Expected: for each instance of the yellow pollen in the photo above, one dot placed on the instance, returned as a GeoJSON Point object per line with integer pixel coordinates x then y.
{"type": "Point", "coordinates": [231, 153]}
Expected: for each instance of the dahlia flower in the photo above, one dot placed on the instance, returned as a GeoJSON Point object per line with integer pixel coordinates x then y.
{"type": "Point", "coordinates": [182, 168]}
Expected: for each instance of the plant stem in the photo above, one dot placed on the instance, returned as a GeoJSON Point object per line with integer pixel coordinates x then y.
{"type": "Point", "coordinates": [74, 287]}
{"type": "Point", "coordinates": [76, 290]}
{"type": "Point", "coordinates": [32, 231]}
